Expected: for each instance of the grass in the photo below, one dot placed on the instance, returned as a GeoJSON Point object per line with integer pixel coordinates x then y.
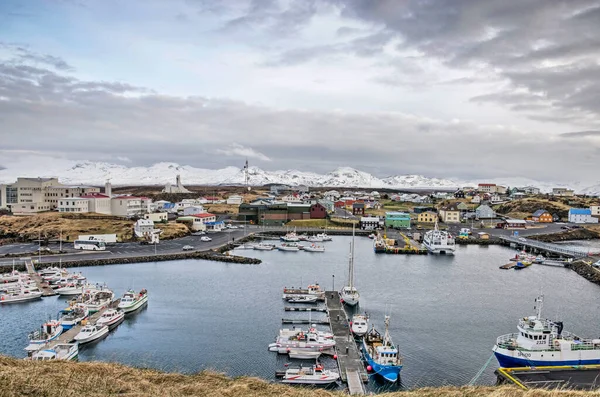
{"type": "Point", "coordinates": [93, 379]}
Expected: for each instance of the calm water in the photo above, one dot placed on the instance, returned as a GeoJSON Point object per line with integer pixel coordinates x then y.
{"type": "Point", "coordinates": [446, 311]}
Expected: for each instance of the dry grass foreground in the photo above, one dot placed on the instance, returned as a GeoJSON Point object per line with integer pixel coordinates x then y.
{"type": "Point", "coordinates": [50, 224]}
{"type": "Point", "coordinates": [54, 379]}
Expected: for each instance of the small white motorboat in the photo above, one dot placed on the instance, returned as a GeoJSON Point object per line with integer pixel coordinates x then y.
{"type": "Point", "coordinates": [91, 333]}
{"type": "Point", "coordinates": [111, 318]}
{"type": "Point", "coordinates": [99, 300]}
{"type": "Point", "coordinates": [315, 239]}
{"type": "Point", "coordinates": [132, 301]}
{"type": "Point", "coordinates": [303, 299]}
{"type": "Point", "coordinates": [289, 247]}
{"type": "Point", "coordinates": [290, 237]}
{"type": "Point", "coordinates": [22, 295]}
{"type": "Point", "coordinates": [49, 331]}
{"type": "Point", "coordinates": [314, 248]}
{"type": "Point", "coordinates": [303, 355]}
{"type": "Point", "coordinates": [264, 247]}
{"type": "Point", "coordinates": [73, 315]}
{"type": "Point", "coordinates": [314, 375]}
{"type": "Point", "coordinates": [246, 246]}
{"type": "Point", "coordinates": [70, 289]}
{"type": "Point", "coordinates": [360, 325]}
{"type": "Point", "coordinates": [311, 290]}
{"type": "Point", "coordinates": [324, 237]}
{"type": "Point", "coordinates": [61, 351]}
{"type": "Point", "coordinates": [296, 333]}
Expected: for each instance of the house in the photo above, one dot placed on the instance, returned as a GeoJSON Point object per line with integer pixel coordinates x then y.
{"type": "Point", "coordinates": [512, 224]}
{"type": "Point", "coordinates": [235, 200]}
{"type": "Point", "coordinates": [339, 204]}
{"type": "Point", "coordinates": [328, 204]}
{"type": "Point", "coordinates": [501, 190]}
{"type": "Point", "coordinates": [98, 203]}
{"type": "Point", "coordinates": [542, 216]}
{"type": "Point", "coordinates": [157, 217]}
{"type": "Point", "coordinates": [318, 211]}
{"type": "Point", "coordinates": [193, 210]}
{"type": "Point", "coordinates": [562, 192]}
{"type": "Point", "coordinates": [143, 227]}
{"type": "Point", "coordinates": [369, 222]}
{"type": "Point", "coordinates": [485, 212]}
{"type": "Point", "coordinates": [420, 210]}
{"type": "Point", "coordinates": [358, 209]}
{"type": "Point", "coordinates": [216, 226]}
{"type": "Point", "coordinates": [127, 206]}
{"type": "Point", "coordinates": [397, 220]}
{"type": "Point", "coordinates": [462, 206]}
{"type": "Point", "coordinates": [595, 210]}
{"type": "Point", "coordinates": [427, 217]}
{"type": "Point", "coordinates": [487, 187]}
{"type": "Point", "coordinates": [450, 213]}
{"type": "Point", "coordinates": [290, 198]}
{"type": "Point", "coordinates": [496, 199]}
{"type": "Point", "coordinates": [476, 199]}
{"type": "Point", "coordinates": [581, 215]}
{"type": "Point", "coordinates": [74, 204]}
{"type": "Point", "coordinates": [204, 218]}
{"type": "Point", "coordinates": [459, 194]}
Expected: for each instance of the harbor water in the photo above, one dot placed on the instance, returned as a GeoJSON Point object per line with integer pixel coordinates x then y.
{"type": "Point", "coordinates": [446, 311]}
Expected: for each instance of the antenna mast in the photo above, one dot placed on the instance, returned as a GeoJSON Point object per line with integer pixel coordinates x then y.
{"type": "Point", "coordinates": [246, 176]}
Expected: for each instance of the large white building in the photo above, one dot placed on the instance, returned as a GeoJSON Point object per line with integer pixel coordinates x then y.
{"type": "Point", "coordinates": [126, 206]}
{"type": "Point", "coordinates": [98, 203]}
{"type": "Point", "coordinates": [78, 205]}
{"type": "Point", "coordinates": [581, 215]}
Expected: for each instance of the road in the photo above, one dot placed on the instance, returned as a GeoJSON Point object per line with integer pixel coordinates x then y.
{"type": "Point", "coordinates": [123, 250]}
{"type": "Point", "coordinates": [343, 213]}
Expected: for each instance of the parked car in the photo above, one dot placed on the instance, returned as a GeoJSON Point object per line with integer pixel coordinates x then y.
{"type": "Point", "coordinates": [522, 239]}
{"type": "Point", "coordinates": [565, 227]}
{"type": "Point", "coordinates": [187, 248]}
{"type": "Point", "coordinates": [200, 233]}
{"type": "Point", "coordinates": [575, 227]}
{"type": "Point", "coordinates": [230, 226]}
{"type": "Point", "coordinates": [205, 238]}
{"type": "Point", "coordinates": [596, 264]}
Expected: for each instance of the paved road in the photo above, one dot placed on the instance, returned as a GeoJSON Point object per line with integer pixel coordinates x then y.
{"type": "Point", "coordinates": [343, 213]}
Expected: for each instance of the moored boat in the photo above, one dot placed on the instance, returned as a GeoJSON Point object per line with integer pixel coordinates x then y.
{"type": "Point", "coordinates": [314, 375]}
{"type": "Point", "coordinates": [111, 318]}
{"type": "Point", "coordinates": [314, 248]}
{"type": "Point", "coordinates": [305, 341]}
{"type": "Point", "coordinates": [303, 355]}
{"type": "Point", "coordinates": [73, 315]}
{"type": "Point", "coordinates": [290, 237]}
{"type": "Point", "coordinates": [21, 295]}
{"type": "Point", "coordinates": [49, 331]}
{"type": "Point", "coordinates": [543, 342]}
{"type": "Point", "coordinates": [132, 301]}
{"type": "Point", "coordinates": [381, 354]}
{"type": "Point", "coordinates": [289, 247]}
{"type": "Point", "coordinates": [99, 300]}
{"type": "Point", "coordinates": [264, 247]}
{"type": "Point", "coordinates": [91, 333]}
{"type": "Point", "coordinates": [324, 237]}
{"type": "Point", "coordinates": [360, 325]}
{"type": "Point", "coordinates": [311, 290]}
{"type": "Point", "coordinates": [315, 239]}
{"type": "Point", "coordinates": [303, 299]}
{"type": "Point", "coordinates": [439, 241]}
{"type": "Point", "coordinates": [349, 294]}
{"type": "Point", "coordinates": [60, 351]}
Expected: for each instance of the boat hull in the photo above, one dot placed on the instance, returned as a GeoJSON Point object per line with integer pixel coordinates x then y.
{"type": "Point", "coordinates": [21, 299]}
{"type": "Point", "coordinates": [94, 337]}
{"type": "Point", "coordinates": [447, 250]}
{"type": "Point", "coordinates": [135, 306]}
{"type": "Point", "coordinates": [516, 358]}
{"type": "Point", "coordinates": [113, 322]}
{"type": "Point", "coordinates": [390, 373]}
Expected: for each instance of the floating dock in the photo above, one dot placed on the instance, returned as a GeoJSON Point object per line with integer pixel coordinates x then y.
{"type": "Point", "coordinates": [401, 246]}
{"type": "Point", "coordinates": [42, 286]}
{"type": "Point", "coordinates": [349, 360]}
{"type": "Point", "coordinates": [305, 309]}
{"type": "Point", "coordinates": [582, 377]}
{"type": "Point", "coordinates": [303, 321]}
{"type": "Point", "coordinates": [508, 265]}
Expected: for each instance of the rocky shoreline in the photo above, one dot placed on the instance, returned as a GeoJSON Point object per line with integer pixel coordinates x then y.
{"type": "Point", "coordinates": [585, 270]}
{"type": "Point", "coordinates": [567, 235]}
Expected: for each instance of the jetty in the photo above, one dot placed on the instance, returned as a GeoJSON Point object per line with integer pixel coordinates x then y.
{"type": "Point", "coordinates": [349, 360]}
{"type": "Point", "coordinates": [303, 321]}
{"type": "Point", "coordinates": [305, 309]}
{"type": "Point", "coordinates": [400, 246]}
{"type": "Point", "coordinates": [547, 248]}
{"type": "Point", "coordinates": [42, 286]}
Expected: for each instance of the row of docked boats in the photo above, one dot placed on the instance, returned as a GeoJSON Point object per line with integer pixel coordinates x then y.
{"type": "Point", "coordinates": [295, 247]}
{"type": "Point", "coordinates": [292, 237]}
{"type": "Point", "coordinates": [17, 287]}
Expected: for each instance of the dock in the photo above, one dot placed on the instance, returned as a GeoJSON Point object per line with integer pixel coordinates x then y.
{"type": "Point", "coordinates": [67, 336]}
{"type": "Point", "coordinates": [42, 286]}
{"type": "Point", "coordinates": [349, 360]}
{"type": "Point", "coordinates": [304, 309]}
{"type": "Point", "coordinates": [303, 321]}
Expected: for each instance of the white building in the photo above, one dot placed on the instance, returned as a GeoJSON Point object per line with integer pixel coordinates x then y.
{"type": "Point", "coordinates": [193, 210]}
{"type": "Point", "coordinates": [235, 200]}
{"type": "Point", "coordinates": [143, 227]}
{"type": "Point", "coordinates": [202, 221]}
{"type": "Point", "coordinates": [595, 209]}
{"type": "Point", "coordinates": [291, 199]}
{"type": "Point", "coordinates": [476, 199]}
{"type": "Point", "coordinates": [126, 206]}
{"type": "Point", "coordinates": [581, 215]}
{"type": "Point", "coordinates": [98, 203]}
{"type": "Point", "coordinates": [487, 187]}
{"type": "Point", "coordinates": [78, 205]}
{"type": "Point", "coordinates": [562, 192]}
{"type": "Point", "coordinates": [178, 188]}
{"type": "Point", "coordinates": [157, 217]}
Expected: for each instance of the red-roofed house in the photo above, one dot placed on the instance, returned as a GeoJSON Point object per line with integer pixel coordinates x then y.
{"type": "Point", "coordinates": [487, 187]}
{"type": "Point", "coordinates": [205, 221]}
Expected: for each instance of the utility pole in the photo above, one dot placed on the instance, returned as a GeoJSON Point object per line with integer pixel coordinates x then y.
{"type": "Point", "coordinates": [60, 241]}
{"type": "Point", "coordinates": [39, 247]}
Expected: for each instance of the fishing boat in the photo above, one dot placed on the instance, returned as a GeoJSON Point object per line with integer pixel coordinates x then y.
{"type": "Point", "coordinates": [542, 342]}
{"type": "Point", "coordinates": [91, 333]}
{"type": "Point", "coordinates": [324, 237]}
{"type": "Point", "coordinates": [21, 295]}
{"type": "Point", "coordinates": [296, 333]}
{"type": "Point", "coordinates": [314, 375]}
{"type": "Point", "coordinates": [111, 318]}
{"type": "Point", "coordinates": [381, 354]}
{"type": "Point", "coordinates": [305, 341]}
{"type": "Point", "coordinates": [303, 299]}
{"type": "Point", "coordinates": [61, 351]}
{"type": "Point", "coordinates": [49, 331]}
{"type": "Point", "coordinates": [349, 294]}
{"type": "Point", "coordinates": [315, 239]}
{"type": "Point", "coordinates": [314, 248]}
{"type": "Point", "coordinates": [439, 241]}
{"type": "Point", "coordinates": [311, 290]}
{"type": "Point", "coordinates": [290, 247]}
{"type": "Point", "coordinates": [73, 315]}
{"type": "Point", "coordinates": [70, 289]}
{"type": "Point", "coordinates": [264, 247]}
{"type": "Point", "coordinates": [290, 237]}
{"type": "Point", "coordinates": [303, 237]}
{"type": "Point", "coordinates": [359, 325]}
{"type": "Point", "coordinates": [99, 300]}
{"type": "Point", "coordinates": [522, 265]}
{"type": "Point", "coordinates": [303, 355]}
{"type": "Point", "coordinates": [132, 301]}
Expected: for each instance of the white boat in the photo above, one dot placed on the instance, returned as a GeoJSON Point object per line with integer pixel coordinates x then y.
{"type": "Point", "coordinates": [70, 289]}
{"type": "Point", "coordinates": [48, 332]}
{"type": "Point", "coordinates": [324, 237]}
{"type": "Point", "coordinates": [61, 351]}
{"type": "Point", "coordinates": [539, 259]}
{"type": "Point", "coordinates": [246, 246]}
{"type": "Point", "coordinates": [314, 375]}
{"type": "Point", "coordinates": [290, 247]}
{"type": "Point", "coordinates": [542, 342]}
{"type": "Point", "coordinates": [73, 315]}
{"type": "Point", "coordinates": [305, 341]}
{"type": "Point", "coordinates": [132, 301]}
{"type": "Point", "coordinates": [99, 300]}
{"type": "Point", "coordinates": [297, 332]}
{"type": "Point", "coordinates": [90, 333]}
{"type": "Point", "coordinates": [315, 239]}
{"type": "Point", "coordinates": [314, 248]}
{"type": "Point", "coordinates": [439, 241]}
{"type": "Point", "coordinates": [21, 295]}
{"type": "Point", "coordinates": [360, 324]}
{"type": "Point", "coordinates": [111, 318]}
{"type": "Point", "coordinates": [264, 247]}
{"type": "Point", "coordinates": [290, 237]}
{"type": "Point", "coordinates": [303, 299]}
{"type": "Point", "coordinates": [303, 355]}
{"type": "Point", "coordinates": [311, 290]}
{"type": "Point", "coordinates": [349, 294]}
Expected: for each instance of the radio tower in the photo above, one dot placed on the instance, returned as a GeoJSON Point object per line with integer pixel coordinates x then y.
{"type": "Point", "coordinates": [246, 176]}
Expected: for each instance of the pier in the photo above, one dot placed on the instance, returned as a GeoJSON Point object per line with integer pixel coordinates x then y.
{"type": "Point", "coordinates": [349, 360]}
{"type": "Point", "coordinates": [42, 286]}
{"type": "Point", "coordinates": [303, 321]}
{"type": "Point", "coordinates": [305, 309]}
{"type": "Point", "coordinates": [548, 248]}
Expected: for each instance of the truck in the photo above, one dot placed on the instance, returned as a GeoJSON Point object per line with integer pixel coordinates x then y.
{"type": "Point", "coordinates": [107, 238]}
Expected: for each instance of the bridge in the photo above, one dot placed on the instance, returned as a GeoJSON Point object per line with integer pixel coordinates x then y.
{"type": "Point", "coordinates": [538, 246]}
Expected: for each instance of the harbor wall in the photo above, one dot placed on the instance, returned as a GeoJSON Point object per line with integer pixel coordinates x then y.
{"type": "Point", "coordinates": [585, 270]}
{"type": "Point", "coordinates": [567, 235]}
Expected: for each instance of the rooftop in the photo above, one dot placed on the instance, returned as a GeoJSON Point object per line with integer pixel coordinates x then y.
{"type": "Point", "coordinates": [94, 195]}
{"type": "Point", "coordinates": [580, 211]}
{"type": "Point", "coordinates": [203, 215]}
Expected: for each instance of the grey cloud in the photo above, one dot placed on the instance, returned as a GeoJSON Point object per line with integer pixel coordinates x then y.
{"type": "Point", "coordinates": [580, 134]}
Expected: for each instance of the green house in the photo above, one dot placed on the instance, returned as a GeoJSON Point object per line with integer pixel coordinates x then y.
{"type": "Point", "coordinates": [397, 220]}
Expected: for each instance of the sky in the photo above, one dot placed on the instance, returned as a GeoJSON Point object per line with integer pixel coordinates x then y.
{"type": "Point", "coordinates": [462, 89]}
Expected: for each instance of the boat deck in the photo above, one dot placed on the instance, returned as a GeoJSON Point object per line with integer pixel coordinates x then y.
{"type": "Point", "coordinates": [42, 286]}
{"type": "Point", "coordinates": [351, 368]}
{"type": "Point", "coordinates": [583, 377]}
{"type": "Point", "coordinates": [67, 336]}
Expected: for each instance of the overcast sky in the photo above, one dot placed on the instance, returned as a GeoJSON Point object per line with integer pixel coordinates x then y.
{"type": "Point", "coordinates": [463, 88]}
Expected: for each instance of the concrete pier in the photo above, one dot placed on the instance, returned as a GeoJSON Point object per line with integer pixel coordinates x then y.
{"type": "Point", "coordinates": [42, 286]}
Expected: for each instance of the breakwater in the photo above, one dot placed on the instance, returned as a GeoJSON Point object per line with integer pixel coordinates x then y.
{"type": "Point", "coordinates": [473, 241]}
{"type": "Point", "coordinates": [567, 235]}
{"type": "Point", "coordinates": [585, 270]}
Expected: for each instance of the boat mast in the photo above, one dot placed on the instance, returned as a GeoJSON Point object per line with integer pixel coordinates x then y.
{"type": "Point", "coordinates": [539, 303]}
{"type": "Point", "coordinates": [352, 260]}
{"type": "Point", "coordinates": [386, 336]}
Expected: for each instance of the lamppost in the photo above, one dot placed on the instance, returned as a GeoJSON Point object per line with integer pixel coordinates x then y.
{"type": "Point", "coordinates": [60, 241]}
{"type": "Point", "coordinates": [39, 247]}
{"type": "Point", "coordinates": [333, 282]}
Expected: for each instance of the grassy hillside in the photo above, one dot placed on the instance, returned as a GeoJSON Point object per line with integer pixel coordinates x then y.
{"type": "Point", "coordinates": [60, 379]}
{"type": "Point", "coordinates": [50, 224]}
{"type": "Point", "coordinates": [526, 207]}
